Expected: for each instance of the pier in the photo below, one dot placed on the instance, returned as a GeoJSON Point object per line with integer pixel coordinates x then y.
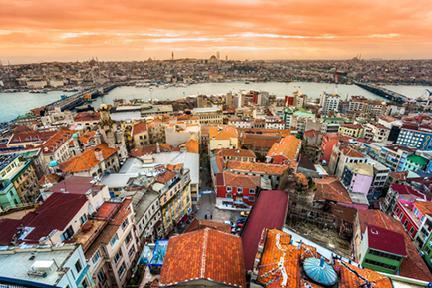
{"type": "Point", "coordinates": [383, 92]}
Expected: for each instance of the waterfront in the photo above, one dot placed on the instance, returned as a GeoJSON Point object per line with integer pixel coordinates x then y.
{"type": "Point", "coordinates": [15, 104]}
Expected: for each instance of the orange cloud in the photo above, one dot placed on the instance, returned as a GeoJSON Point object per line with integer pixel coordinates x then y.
{"type": "Point", "coordinates": [47, 30]}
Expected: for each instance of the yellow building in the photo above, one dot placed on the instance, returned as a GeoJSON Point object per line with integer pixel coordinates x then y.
{"type": "Point", "coordinates": [223, 137]}
{"type": "Point", "coordinates": [351, 130]}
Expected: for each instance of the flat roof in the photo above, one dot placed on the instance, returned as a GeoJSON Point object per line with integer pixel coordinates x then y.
{"type": "Point", "coordinates": [18, 263]}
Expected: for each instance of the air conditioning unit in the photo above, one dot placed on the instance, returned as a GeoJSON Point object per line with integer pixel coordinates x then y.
{"type": "Point", "coordinates": [41, 268]}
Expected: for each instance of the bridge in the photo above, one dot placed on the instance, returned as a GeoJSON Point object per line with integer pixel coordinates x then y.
{"type": "Point", "coordinates": [77, 99]}
{"type": "Point", "coordinates": [383, 92]}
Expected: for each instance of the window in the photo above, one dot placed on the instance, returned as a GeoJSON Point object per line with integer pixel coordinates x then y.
{"type": "Point", "coordinates": [78, 266]}
{"type": "Point", "coordinates": [125, 224]}
{"type": "Point", "coordinates": [114, 240]}
{"type": "Point", "coordinates": [83, 219]}
{"type": "Point", "coordinates": [84, 283]}
{"type": "Point", "coordinates": [251, 191]}
{"type": "Point", "coordinates": [239, 190]}
{"type": "Point", "coordinates": [122, 269]}
{"type": "Point", "coordinates": [101, 276]}
{"type": "Point", "coordinates": [131, 252]}
{"type": "Point", "coordinates": [96, 257]}
{"type": "Point", "coordinates": [68, 233]}
{"type": "Point", "coordinates": [118, 256]}
{"type": "Point", "coordinates": [128, 238]}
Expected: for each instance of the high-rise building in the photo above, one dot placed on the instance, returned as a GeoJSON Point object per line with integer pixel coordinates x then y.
{"type": "Point", "coordinates": [329, 103]}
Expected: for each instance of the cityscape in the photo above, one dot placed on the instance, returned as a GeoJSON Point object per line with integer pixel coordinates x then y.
{"type": "Point", "coordinates": [140, 149]}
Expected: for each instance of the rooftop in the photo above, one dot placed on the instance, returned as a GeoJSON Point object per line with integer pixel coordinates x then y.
{"type": "Point", "coordinates": [87, 159]}
{"type": "Point", "coordinates": [204, 254]}
{"type": "Point", "coordinates": [386, 240]}
{"type": "Point", "coordinates": [20, 261]}
{"type": "Point", "coordinates": [331, 189]}
{"type": "Point", "coordinates": [76, 185]}
{"type": "Point", "coordinates": [259, 167]}
{"type": "Point", "coordinates": [269, 211]}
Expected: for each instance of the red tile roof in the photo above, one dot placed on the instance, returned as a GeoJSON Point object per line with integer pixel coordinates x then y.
{"type": "Point", "coordinates": [425, 207]}
{"type": "Point", "coordinates": [139, 128]}
{"type": "Point", "coordinates": [403, 189]}
{"type": "Point", "coordinates": [198, 224]}
{"type": "Point", "coordinates": [269, 211]}
{"type": "Point", "coordinates": [238, 180]}
{"type": "Point", "coordinates": [289, 147]}
{"type": "Point", "coordinates": [8, 228]}
{"type": "Point", "coordinates": [385, 240]}
{"type": "Point", "coordinates": [55, 141]}
{"type": "Point", "coordinates": [206, 254]}
{"type": "Point", "coordinates": [87, 159]}
{"type": "Point", "coordinates": [226, 152]}
{"type": "Point", "coordinates": [165, 177]}
{"type": "Point", "coordinates": [87, 116]}
{"type": "Point", "coordinates": [259, 167]}
{"type": "Point", "coordinates": [330, 189]}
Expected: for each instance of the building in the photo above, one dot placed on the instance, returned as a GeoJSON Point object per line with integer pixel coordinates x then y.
{"type": "Point", "coordinates": [18, 181]}
{"type": "Point", "coordinates": [140, 135]}
{"type": "Point", "coordinates": [358, 178]}
{"type": "Point", "coordinates": [148, 216]}
{"type": "Point", "coordinates": [287, 150]}
{"type": "Point", "coordinates": [270, 173]}
{"type": "Point", "coordinates": [415, 163]}
{"type": "Point", "coordinates": [223, 137]}
{"type": "Point", "coordinates": [270, 211]}
{"type": "Point", "coordinates": [412, 265]}
{"type": "Point", "coordinates": [236, 154]}
{"type": "Point", "coordinates": [415, 136]}
{"type": "Point", "coordinates": [376, 133]}
{"type": "Point", "coordinates": [382, 250]}
{"type": "Point", "coordinates": [203, 258]}
{"type": "Point", "coordinates": [93, 162]}
{"type": "Point", "coordinates": [237, 188]}
{"type": "Point", "coordinates": [109, 243]}
{"type": "Point", "coordinates": [343, 154]}
{"type": "Point", "coordinates": [209, 115]}
{"type": "Point", "coordinates": [394, 156]}
{"type": "Point", "coordinates": [351, 130]}
{"type": "Point", "coordinates": [414, 214]}
{"type": "Point", "coordinates": [395, 190]}
{"type": "Point", "coordinates": [329, 103]}
{"type": "Point", "coordinates": [174, 196]}
{"type": "Point", "coordinates": [63, 266]}
{"type": "Point", "coordinates": [57, 149]}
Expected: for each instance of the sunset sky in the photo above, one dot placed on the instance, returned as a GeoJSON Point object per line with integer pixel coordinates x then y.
{"type": "Point", "coordinates": [48, 30]}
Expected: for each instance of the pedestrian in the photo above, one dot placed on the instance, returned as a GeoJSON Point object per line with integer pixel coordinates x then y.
{"type": "Point", "coordinates": [211, 216]}
{"type": "Point", "coordinates": [205, 216]}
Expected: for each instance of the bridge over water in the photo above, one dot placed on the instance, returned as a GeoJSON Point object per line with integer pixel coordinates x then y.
{"type": "Point", "coordinates": [383, 92]}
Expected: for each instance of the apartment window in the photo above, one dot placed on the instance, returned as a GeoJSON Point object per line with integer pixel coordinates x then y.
{"type": "Point", "coordinates": [122, 269]}
{"type": "Point", "coordinates": [101, 276]}
{"type": "Point", "coordinates": [128, 238]}
{"type": "Point", "coordinates": [83, 219]}
{"type": "Point", "coordinates": [114, 240]}
{"type": "Point", "coordinates": [84, 283]}
{"type": "Point", "coordinates": [239, 190]}
{"type": "Point", "coordinates": [96, 257]}
{"type": "Point", "coordinates": [68, 233]}
{"type": "Point", "coordinates": [78, 266]}
{"type": "Point", "coordinates": [251, 191]}
{"type": "Point", "coordinates": [118, 256]}
{"type": "Point", "coordinates": [131, 252]}
{"type": "Point", "coordinates": [125, 224]}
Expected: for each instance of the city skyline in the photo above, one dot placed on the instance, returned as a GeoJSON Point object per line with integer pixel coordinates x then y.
{"type": "Point", "coordinates": [38, 31]}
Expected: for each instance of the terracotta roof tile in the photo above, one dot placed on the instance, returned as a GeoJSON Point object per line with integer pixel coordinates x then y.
{"type": "Point", "coordinates": [139, 128]}
{"type": "Point", "coordinates": [205, 254]}
{"type": "Point", "coordinates": [87, 159]}
{"type": "Point", "coordinates": [330, 189]}
{"type": "Point", "coordinates": [259, 167]}
{"type": "Point", "coordinates": [238, 180]}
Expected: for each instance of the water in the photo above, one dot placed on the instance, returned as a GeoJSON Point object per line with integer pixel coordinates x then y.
{"type": "Point", "coordinates": [14, 104]}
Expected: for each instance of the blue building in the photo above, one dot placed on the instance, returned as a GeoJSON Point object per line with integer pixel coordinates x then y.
{"type": "Point", "coordinates": [415, 137]}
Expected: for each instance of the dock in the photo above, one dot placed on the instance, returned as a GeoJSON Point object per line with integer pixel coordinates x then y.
{"type": "Point", "coordinates": [383, 92]}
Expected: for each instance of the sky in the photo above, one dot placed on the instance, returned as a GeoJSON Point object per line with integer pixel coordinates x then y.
{"type": "Point", "coordinates": [71, 30]}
